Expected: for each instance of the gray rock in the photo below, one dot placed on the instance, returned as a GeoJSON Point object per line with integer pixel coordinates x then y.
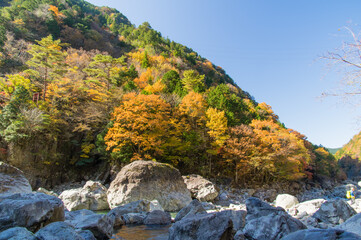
{"type": "Point", "coordinates": [12, 180]}
{"type": "Point", "coordinates": [238, 218]}
{"type": "Point", "coordinates": [99, 224]}
{"type": "Point", "coordinates": [58, 231]}
{"type": "Point", "coordinates": [17, 233]}
{"type": "Point", "coordinates": [208, 206]}
{"type": "Point", "coordinates": [43, 190]}
{"type": "Point", "coordinates": [200, 188]}
{"type": "Point", "coordinates": [213, 226]}
{"type": "Point", "coordinates": [86, 234]}
{"type": "Point", "coordinates": [134, 218]}
{"type": "Point", "coordinates": [334, 212]}
{"type": "Point", "coordinates": [30, 210]}
{"type": "Point", "coordinates": [352, 224]}
{"type": "Point", "coordinates": [239, 235]}
{"type": "Point", "coordinates": [92, 196]}
{"type": "Point", "coordinates": [321, 234]}
{"type": "Point", "coordinates": [340, 191]}
{"type": "Point", "coordinates": [309, 207]}
{"type": "Point", "coordinates": [286, 201]}
{"type": "Point", "coordinates": [140, 206]}
{"type": "Point", "coordinates": [193, 208]}
{"type": "Point", "coordinates": [264, 222]}
{"type": "Point", "coordinates": [158, 217]}
{"type": "Point", "coordinates": [149, 180]}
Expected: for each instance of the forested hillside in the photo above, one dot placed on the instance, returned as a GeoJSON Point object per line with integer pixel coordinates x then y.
{"type": "Point", "coordinates": [352, 148]}
{"type": "Point", "coordinates": [82, 86]}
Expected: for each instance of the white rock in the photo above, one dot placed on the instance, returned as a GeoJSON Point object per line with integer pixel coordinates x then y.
{"type": "Point", "coordinates": [93, 196]}
{"type": "Point", "coordinates": [286, 201]}
{"type": "Point", "coordinates": [200, 188]}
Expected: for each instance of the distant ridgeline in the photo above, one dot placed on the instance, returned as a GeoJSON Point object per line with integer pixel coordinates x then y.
{"type": "Point", "coordinates": [352, 148]}
{"type": "Point", "coordinates": [349, 157]}
{"type": "Point", "coordinates": [82, 86]}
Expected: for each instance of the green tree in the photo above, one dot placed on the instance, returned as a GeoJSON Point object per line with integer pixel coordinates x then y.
{"type": "Point", "coordinates": [236, 110]}
{"type": "Point", "coordinates": [106, 68]}
{"type": "Point", "coordinates": [145, 60]}
{"type": "Point", "coordinates": [47, 62]}
{"type": "Point", "coordinates": [171, 79]}
{"type": "Point", "coordinates": [192, 81]}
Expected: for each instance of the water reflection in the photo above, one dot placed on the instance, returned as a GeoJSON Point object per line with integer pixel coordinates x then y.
{"type": "Point", "coordinates": [142, 232]}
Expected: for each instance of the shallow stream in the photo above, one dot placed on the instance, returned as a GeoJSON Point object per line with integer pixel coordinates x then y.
{"type": "Point", "coordinates": [142, 232]}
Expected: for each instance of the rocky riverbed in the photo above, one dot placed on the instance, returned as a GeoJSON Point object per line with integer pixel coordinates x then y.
{"type": "Point", "coordinates": [139, 200]}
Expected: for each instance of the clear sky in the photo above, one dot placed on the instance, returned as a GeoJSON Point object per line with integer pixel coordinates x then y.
{"type": "Point", "coordinates": [270, 48]}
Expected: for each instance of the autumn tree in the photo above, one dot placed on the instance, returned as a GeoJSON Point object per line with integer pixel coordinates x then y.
{"type": "Point", "coordinates": [47, 62]}
{"type": "Point", "coordinates": [105, 68]}
{"type": "Point", "coordinates": [192, 81]}
{"type": "Point", "coordinates": [238, 154]}
{"type": "Point", "coordinates": [140, 125]}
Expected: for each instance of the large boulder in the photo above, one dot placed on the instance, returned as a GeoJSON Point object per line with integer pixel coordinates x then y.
{"type": "Point", "coordinates": [200, 188]}
{"type": "Point", "coordinates": [215, 226]}
{"type": "Point", "coordinates": [158, 217]}
{"type": "Point", "coordinates": [30, 210]}
{"type": "Point", "coordinates": [93, 196]}
{"type": "Point", "coordinates": [133, 218]}
{"type": "Point", "coordinates": [99, 224]}
{"type": "Point", "coordinates": [308, 208]}
{"type": "Point", "coordinates": [352, 224]}
{"type": "Point", "coordinates": [356, 204]}
{"type": "Point", "coordinates": [334, 212]}
{"type": "Point", "coordinates": [238, 218]}
{"type": "Point", "coordinates": [286, 201]}
{"type": "Point", "coordinates": [149, 180]}
{"type": "Point", "coordinates": [59, 231]}
{"type": "Point", "coordinates": [117, 215]}
{"type": "Point", "coordinates": [17, 233]}
{"type": "Point", "coordinates": [321, 234]}
{"type": "Point", "coordinates": [12, 180]}
{"type": "Point", "coordinates": [193, 208]}
{"type": "Point", "coordinates": [266, 222]}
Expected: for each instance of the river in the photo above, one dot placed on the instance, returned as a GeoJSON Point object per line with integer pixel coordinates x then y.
{"type": "Point", "coordinates": [142, 232]}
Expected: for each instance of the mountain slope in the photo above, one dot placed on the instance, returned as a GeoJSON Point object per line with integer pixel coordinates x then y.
{"type": "Point", "coordinates": [83, 87]}
{"type": "Point", "coordinates": [352, 148]}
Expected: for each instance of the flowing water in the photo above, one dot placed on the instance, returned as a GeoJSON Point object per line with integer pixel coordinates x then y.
{"type": "Point", "coordinates": [142, 232]}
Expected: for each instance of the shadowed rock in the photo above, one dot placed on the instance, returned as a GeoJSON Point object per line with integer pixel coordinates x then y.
{"type": "Point", "coordinates": [30, 210]}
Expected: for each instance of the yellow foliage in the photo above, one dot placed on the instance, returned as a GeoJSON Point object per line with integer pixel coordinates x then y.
{"type": "Point", "coordinates": [9, 84]}
{"type": "Point", "coordinates": [144, 79]}
{"type": "Point", "coordinates": [157, 87]}
{"type": "Point", "coordinates": [194, 106]}
{"type": "Point", "coordinates": [137, 56]}
{"type": "Point", "coordinates": [217, 125]}
{"type": "Point", "coordinates": [19, 22]}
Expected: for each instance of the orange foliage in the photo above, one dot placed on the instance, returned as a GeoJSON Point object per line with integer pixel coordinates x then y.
{"type": "Point", "coordinates": [141, 121]}
{"type": "Point", "coordinates": [194, 107]}
{"type": "Point", "coordinates": [144, 79]}
{"type": "Point", "coordinates": [56, 12]}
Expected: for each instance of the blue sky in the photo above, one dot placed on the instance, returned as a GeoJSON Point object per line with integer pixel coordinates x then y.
{"type": "Point", "coordinates": [271, 49]}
